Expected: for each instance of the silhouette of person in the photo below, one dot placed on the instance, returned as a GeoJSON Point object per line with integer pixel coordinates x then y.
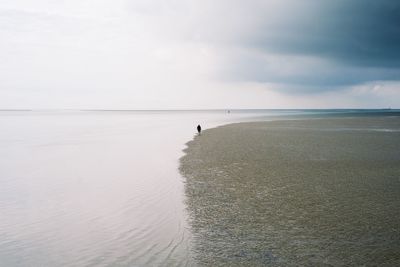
{"type": "Point", "coordinates": [199, 129]}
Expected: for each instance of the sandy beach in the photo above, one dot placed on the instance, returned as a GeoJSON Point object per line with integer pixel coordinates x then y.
{"type": "Point", "coordinates": [315, 192]}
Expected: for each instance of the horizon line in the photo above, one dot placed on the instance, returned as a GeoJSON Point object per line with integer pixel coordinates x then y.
{"type": "Point", "coordinates": [196, 109]}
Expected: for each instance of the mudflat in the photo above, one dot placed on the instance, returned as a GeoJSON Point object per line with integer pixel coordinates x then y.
{"type": "Point", "coordinates": [313, 192]}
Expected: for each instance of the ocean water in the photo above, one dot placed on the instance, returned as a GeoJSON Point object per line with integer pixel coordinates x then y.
{"type": "Point", "coordinates": [102, 188]}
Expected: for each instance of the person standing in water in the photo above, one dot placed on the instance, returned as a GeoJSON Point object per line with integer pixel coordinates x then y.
{"type": "Point", "coordinates": [199, 129]}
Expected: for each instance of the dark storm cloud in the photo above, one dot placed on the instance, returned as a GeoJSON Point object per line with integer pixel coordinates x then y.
{"type": "Point", "coordinates": [356, 41]}
{"type": "Point", "coordinates": [357, 32]}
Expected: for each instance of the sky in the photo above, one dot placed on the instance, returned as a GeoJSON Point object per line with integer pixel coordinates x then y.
{"type": "Point", "coordinates": [191, 54]}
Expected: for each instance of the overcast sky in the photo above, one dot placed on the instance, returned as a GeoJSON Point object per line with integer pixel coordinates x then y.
{"type": "Point", "coordinates": [161, 54]}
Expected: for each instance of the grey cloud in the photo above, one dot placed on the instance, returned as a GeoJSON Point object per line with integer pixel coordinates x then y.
{"type": "Point", "coordinates": [358, 32]}
{"type": "Point", "coordinates": [309, 74]}
{"type": "Point", "coordinates": [357, 41]}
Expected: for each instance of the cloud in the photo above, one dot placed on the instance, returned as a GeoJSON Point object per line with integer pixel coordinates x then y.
{"type": "Point", "coordinates": [173, 53]}
{"type": "Point", "coordinates": [357, 32]}
{"type": "Point", "coordinates": [309, 42]}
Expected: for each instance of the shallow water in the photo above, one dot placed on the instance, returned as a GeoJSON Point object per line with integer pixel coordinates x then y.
{"type": "Point", "coordinates": [96, 188]}
{"type": "Point", "coordinates": [100, 188]}
{"type": "Point", "coordinates": [322, 192]}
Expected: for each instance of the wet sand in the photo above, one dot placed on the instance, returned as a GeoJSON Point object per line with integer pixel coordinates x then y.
{"type": "Point", "coordinates": [316, 192]}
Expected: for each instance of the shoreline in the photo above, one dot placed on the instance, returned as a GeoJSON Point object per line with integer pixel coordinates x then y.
{"type": "Point", "coordinates": [302, 117]}
{"type": "Point", "coordinates": [299, 191]}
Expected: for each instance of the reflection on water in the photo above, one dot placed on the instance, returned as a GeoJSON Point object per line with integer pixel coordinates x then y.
{"type": "Point", "coordinates": [89, 189]}
{"type": "Point", "coordinates": [296, 193]}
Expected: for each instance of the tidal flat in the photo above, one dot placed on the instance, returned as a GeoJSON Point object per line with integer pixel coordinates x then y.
{"type": "Point", "coordinates": [312, 192]}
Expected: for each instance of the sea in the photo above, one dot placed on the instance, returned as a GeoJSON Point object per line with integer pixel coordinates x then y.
{"type": "Point", "coordinates": [103, 187]}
